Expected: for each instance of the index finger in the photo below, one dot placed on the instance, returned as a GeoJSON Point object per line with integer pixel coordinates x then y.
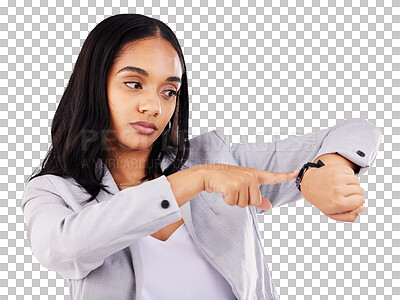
{"type": "Point", "coordinates": [267, 177]}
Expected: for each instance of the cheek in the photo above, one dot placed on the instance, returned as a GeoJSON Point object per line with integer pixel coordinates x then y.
{"type": "Point", "coordinates": [172, 107]}
{"type": "Point", "coordinates": [116, 95]}
{"type": "Point", "coordinates": [118, 115]}
{"type": "Point", "coordinates": [118, 107]}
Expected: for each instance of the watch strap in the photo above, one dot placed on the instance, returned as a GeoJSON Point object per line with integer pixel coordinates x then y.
{"type": "Point", "coordinates": [304, 169]}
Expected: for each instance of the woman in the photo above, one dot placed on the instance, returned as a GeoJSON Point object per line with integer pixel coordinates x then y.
{"type": "Point", "coordinates": [126, 207]}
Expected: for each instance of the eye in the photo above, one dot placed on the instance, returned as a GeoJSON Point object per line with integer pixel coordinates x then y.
{"type": "Point", "coordinates": [133, 83]}
{"type": "Point", "coordinates": [172, 93]}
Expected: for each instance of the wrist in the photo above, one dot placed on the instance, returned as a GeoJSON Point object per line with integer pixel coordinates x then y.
{"type": "Point", "coordinates": [308, 171]}
{"type": "Point", "coordinates": [304, 170]}
{"type": "Point", "coordinates": [186, 184]}
{"type": "Point", "coordinates": [336, 158]}
{"type": "Point", "coordinates": [199, 172]}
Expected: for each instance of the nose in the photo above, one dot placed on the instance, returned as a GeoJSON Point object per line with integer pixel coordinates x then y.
{"type": "Point", "coordinates": [150, 104]}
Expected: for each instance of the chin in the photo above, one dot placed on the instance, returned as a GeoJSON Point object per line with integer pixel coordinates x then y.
{"type": "Point", "coordinates": [143, 144]}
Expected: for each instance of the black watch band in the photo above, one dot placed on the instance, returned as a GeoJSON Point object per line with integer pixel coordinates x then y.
{"type": "Point", "coordinates": [304, 169]}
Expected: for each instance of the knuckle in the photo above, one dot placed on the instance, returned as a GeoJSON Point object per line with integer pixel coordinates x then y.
{"type": "Point", "coordinates": [337, 203]}
{"type": "Point", "coordinates": [242, 178]}
{"type": "Point", "coordinates": [242, 205]}
{"type": "Point", "coordinates": [251, 171]}
{"type": "Point", "coordinates": [228, 199]}
{"type": "Point", "coordinates": [337, 190]}
{"type": "Point", "coordinates": [252, 176]}
{"type": "Point", "coordinates": [230, 202]}
{"type": "Point", "coordinates": [236, 184]}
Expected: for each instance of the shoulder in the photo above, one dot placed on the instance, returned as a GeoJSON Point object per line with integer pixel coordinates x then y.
{"type": "Point", "coordinates": [213, 138]}
{"type": "Point", "coordinates": [52, 187]}
{"type": "Point", "coordinates": [39, 183]}
{"type": "Point", "coordinates": [210, 147]}
{"type": "Point", "coordinates": [50, 182]}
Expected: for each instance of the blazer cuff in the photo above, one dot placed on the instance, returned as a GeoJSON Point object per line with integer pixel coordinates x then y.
{"type": "Point", "coordinates": [356, 139]}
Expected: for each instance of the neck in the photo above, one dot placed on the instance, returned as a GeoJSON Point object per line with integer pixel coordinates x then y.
{"type": "Point", "coordinates": [127, 167]}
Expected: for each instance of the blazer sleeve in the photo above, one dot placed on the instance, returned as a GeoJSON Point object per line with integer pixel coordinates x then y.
{"type": "Point", "coordinates": [75, 243]}
{"type": "Point", "coordinates": [356, 139]}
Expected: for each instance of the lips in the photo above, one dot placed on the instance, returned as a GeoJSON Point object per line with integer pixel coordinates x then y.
{"type": "Point", "coordinates": [145, 124]}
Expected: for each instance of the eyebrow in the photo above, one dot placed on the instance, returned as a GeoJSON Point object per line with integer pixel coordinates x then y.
{"type": "Point", "coordinates": [144, 73]}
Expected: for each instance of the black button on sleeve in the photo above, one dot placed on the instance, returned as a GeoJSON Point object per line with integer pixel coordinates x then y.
{"type": "Point", "coordinates": [359, 152]}
{"type": "Point", "coordinates": [164, 204]}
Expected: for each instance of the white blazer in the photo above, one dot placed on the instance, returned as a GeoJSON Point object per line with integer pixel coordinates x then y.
{"type": "Point", "coordinates": [94, 246]}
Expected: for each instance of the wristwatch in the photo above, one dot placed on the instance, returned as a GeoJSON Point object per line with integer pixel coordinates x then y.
{"type": "Point", "coordinates": [304, 169]}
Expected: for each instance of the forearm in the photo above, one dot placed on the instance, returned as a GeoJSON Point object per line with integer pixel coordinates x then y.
{"type": "Point", "coordinates": [335, 158]}
{"type": "Point", "coordinates": [186, 184]}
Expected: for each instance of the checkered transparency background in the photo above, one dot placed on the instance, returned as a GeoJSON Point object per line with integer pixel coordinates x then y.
{"type": "Point", "coordinates": [258, 71]}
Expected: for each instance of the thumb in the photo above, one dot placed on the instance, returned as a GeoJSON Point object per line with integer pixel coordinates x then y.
{"type": "Point", "coordinates": [265, 204]}
{"type": "Point", "coordinates": [267, 177]}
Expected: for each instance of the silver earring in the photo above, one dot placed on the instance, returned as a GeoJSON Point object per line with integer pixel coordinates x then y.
{"type": "Point", "coordinates": [166, 130]}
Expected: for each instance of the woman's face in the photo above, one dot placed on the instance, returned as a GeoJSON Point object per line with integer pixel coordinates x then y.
{"type": "Point", "coordinates": [142, 86]}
